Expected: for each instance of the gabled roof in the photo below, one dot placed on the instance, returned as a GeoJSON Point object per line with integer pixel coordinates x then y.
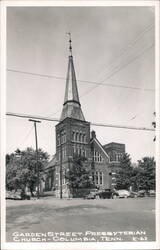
{"type": "Point", "coordinates": [100, 146]}
{"type": "Point", "coordinates": [71, 106]}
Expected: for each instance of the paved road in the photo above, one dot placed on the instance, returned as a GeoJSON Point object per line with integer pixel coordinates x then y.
{"type": "Point", "coordinates": [113, 220]}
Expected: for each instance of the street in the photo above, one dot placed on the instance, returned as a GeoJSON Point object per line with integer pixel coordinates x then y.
{"type": "Point", "coordinates": [131, 219]}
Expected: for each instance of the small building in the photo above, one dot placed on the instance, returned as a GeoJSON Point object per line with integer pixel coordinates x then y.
{"type": "Point", "coordinates": [73, 137]}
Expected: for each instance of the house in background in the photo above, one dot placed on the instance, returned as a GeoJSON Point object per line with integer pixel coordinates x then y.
{"type": "Point", "coordinates": [73, 137]}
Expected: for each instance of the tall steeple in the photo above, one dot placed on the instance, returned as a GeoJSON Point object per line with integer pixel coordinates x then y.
{"type": "Point", "coordinates": [71, 106]}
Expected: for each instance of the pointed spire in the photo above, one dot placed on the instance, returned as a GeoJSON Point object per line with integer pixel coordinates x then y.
{"type": "Point", "coordinates": [70, 43]}
{"type": "Point", "coordinates": [71, 106]}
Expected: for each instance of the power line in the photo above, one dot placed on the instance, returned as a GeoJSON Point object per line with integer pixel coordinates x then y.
{"type": "Point", "coordinates": [83, 81]}
{"type": "Point", "coordinates": [32, 117]}
{"type": "Point", "coordinates": [130, 46]}
{"type": "Point", "coordinates": [130, 61]}
{"type": "Point", "coordinates": [27, 135]}
{"type": "Point", "coordinates": [124, 65]}
{"type": "Point", "coordinates": [92, 123]}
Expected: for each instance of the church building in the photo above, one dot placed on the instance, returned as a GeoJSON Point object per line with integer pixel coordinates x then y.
{"type": "Point", "coordinates": [73, 137]}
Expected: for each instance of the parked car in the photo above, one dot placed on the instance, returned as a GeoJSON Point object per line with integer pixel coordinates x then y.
{"type": "Point", "coordinates": [17, 195]}
{"type": "Point", "coordinates": [102, 194]}
{"type": "Point", "coordinates": [107, 194]}
{"type": "Point", "coordinates": [152, 193]}
{"type": "Point", "coordinates": [123, 193]}
{"type": "Point", "coordinates": [92, 195]}
{"type": "Point", "coordinates": [9, 195]}
{"type": "Point", "coordinates": [141, 193]}
{"type": "Point", "coordinates": [133, 194]}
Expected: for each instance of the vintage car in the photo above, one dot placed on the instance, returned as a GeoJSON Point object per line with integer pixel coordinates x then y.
{"type": "Point", "coordinates": [17, 195]}
{"type": "Point", "coordinates": [123, 193]}
{"type": "Point", "coordinates": [152, 193]}
{"type": "Point", "coordinates": [108, 194]}
{"type": "Point", "coordinates": [102, 194]}
{"type": "Point", "coordinates": [92, 194]}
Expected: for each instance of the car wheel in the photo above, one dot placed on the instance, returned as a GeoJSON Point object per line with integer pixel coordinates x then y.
{"type": "Point", "coordinates": [114, 196]}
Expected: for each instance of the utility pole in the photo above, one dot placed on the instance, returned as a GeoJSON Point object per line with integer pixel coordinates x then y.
{"type": "Point", "coordinates": [60, 167]}
{"type": "Point", "coordinates": [37, 165]}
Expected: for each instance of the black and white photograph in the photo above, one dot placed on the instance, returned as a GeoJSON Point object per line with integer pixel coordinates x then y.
{"type": "Point", "coordinates": [80, 112]}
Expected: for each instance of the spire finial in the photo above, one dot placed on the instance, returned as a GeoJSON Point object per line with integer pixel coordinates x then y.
{"type": "Point", "coordinates": [70, 43]}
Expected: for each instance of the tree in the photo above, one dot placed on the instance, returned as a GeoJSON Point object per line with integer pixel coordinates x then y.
{"type": "Point", "coordinates": [124, 174]}
{"type": "Point", "coordinates": [78, 175]}
{"type": "Point", "coordinates": [21, 168]}
{"type": "Point", "coordinates": [146, 177]}
{"type": "Point", "coordinates": [139, 177]}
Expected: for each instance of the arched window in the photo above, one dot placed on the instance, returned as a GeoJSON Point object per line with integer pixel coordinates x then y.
{"type": "Point", "coordinates": [58, 139]}
{"type": "Point", "coordinates": [117, 157]}
{"type": "Point", "coordinates": [61, 137]}
{"type": "Point", "coordinates": [98, 157]}
{"type": "Point", "coordinates": [73, 136]}
{"type": "Point", "coordinates": [96, 177]}
{"type": "Point", "coordinates": [77, 151]}
{"type": "Point", "coordinates": [85, 153]}
{"type": "Point", "coordinates": [93, 179]}
{"type": "Point", "coordinates": [64, 136]}
{"type": "Point", "coordinates": [80, 137]}
{"type": "Point", "coordinates": [100, 178]}
{"type": "Point", "coordinates": [76, 137]}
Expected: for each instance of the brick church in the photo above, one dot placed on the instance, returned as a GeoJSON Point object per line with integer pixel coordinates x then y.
{"type": "Point", "coordinates": [73, 137]}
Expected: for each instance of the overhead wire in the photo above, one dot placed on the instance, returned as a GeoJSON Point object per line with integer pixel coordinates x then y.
{"type": "Point", "coordinates": [101, 83]}
{"type": "Point", "coordinates": [124, 65]}
{"type": "Point", "coordinates": [85, 81]}
{"type": "Point", "coordinates": [25, 137]}
{"type": "Point", "coordinates": [130, 61]}
{"type": "Point", "coordinates": [125, 53]}
{"type": "Point", "coordinates": [92, 123]}
{"type": "Point", "coordinates": [128, 87]}
{"type": "Point", "coordinates": [130, 46]}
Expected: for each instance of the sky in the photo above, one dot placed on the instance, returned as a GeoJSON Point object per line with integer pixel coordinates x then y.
{"type": "Point", "coordinates": [111, 45]}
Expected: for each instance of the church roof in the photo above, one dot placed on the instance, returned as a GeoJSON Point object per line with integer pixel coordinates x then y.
{"type": "Point", "coordinates": [71, 106]}
{"type": "Point", "coordinates": [100, 146]}
{"type": "Point", "coordinates": [51, 163]}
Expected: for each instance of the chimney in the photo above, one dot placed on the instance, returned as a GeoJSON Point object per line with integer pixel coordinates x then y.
{"type": "Point", "coordinates": [93, 134]}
